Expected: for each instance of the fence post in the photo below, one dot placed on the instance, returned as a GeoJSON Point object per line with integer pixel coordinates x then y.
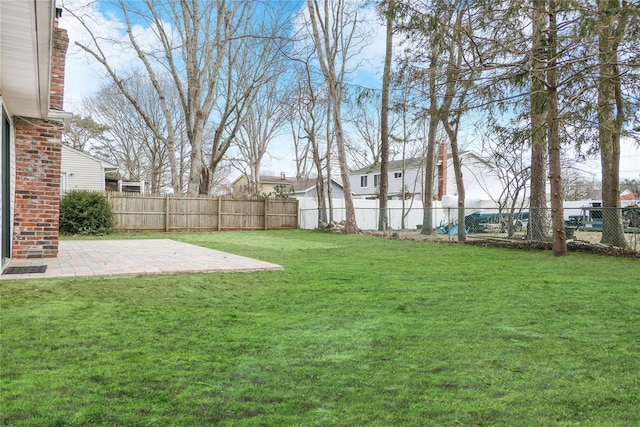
{"type": "Point", "coordinates": [166, 213]}
{"type": "Point", "coordinates": [219, 213]}
{"type": "Point", "coordinates": [113, 214]}
{"type": "Point", "coordinates": [266, 211]}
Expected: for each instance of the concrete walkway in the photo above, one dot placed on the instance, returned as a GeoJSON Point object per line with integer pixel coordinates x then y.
{"type": "Point", "coordinates": [78, 258]}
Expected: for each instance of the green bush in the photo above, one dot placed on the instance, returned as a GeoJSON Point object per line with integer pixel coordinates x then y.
{"type": "Point", "coordinates": [85, 213]}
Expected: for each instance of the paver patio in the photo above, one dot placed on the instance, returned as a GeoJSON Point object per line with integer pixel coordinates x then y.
{"type": "Point", "coordinates": [77, 258]}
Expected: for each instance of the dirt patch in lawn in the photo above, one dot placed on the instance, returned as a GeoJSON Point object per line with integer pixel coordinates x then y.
{"type": "Point", "coordinates": [572, 246]}
{"type": "Point", "coordinates": [475, 240]}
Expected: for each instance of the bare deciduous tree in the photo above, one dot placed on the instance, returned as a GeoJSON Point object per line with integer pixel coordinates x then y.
{"type": "Point", "coordinates": [83, 132]}
{"type": "Point", "coordinates": [439, 59]}
{"type": "Point", "coordinates": [139, 154]}
{"type": "Point", "coordinates": [333, 25]}
{"type": "Point", "coordinates": [309, 111]}
{"type": "Point", "coordinates": [201, 50]}
{"type": "Point", "coordinates": [363, 149]}
{"type": "Point", "coordinates": [265, 118]}
{"type": "Point", "coordinates": [504, 151]}
{"type": "Point", "coordinates": [577, 186]}
{"type": "Point", "coordinates": [251, 60]}
{"type": "Point", "coordinates": [456, 89]}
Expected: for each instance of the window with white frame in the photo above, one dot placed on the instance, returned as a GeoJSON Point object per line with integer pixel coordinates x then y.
{"type": "Point", "coordinates": [363, 181]}
{"type": "Point", "coordinates": [397, 175]}
{"type": "Point", "coordinates": [376, 180]}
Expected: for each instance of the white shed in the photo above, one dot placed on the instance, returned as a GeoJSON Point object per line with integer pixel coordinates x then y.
{"type": "Point", "coordinates": [82, 171]}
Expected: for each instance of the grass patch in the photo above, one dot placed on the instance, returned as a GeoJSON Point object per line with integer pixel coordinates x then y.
{"type": "Point", "coordinates": [355, 331]}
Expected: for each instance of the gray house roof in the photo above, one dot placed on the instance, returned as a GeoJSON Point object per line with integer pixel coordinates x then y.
{"type": "Point", "coordinates": [394, 165]}
{"type": "Point", "coordinates": [309, 183]}
{"type": "Point", "coordinates": [267, 179]}
{"type": "Point", "coordinates": [412, 163]}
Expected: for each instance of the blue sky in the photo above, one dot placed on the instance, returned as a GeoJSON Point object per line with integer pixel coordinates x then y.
{"type": "Point", "coordinates": [84, 76]}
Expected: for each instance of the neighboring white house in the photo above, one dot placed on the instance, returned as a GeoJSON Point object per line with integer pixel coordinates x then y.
{"type": "Point", "coordinates": [482, 185]}
{"type": "Point", "coordinates": [82, 171]}
{"type": "Point", "coordinates": [409, 173]}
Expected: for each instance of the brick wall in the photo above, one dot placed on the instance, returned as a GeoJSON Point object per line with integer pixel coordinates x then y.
{"type": "Point", "coordinates": [60, 45]}
{"type": "Point", "coordinates": [38, 158]}
{"type": "Point", "coordinates": [37, 193]}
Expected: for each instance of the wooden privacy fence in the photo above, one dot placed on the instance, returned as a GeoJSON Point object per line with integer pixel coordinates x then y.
{"type": "Point", "coordinates": [134, 212]}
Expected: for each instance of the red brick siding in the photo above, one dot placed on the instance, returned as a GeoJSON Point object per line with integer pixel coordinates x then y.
{"type": "Point", "coordinates": [38, 158]}
{"type": "Point", "coordinates": [37, 193]}
{"type": "Point", "coordinates": [60, 45]}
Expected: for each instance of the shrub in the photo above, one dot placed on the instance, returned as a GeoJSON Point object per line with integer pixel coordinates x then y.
{"type": "Point", "coordinates": [280, 191]}
{"type": "Point", "coordinates": [85, 213]}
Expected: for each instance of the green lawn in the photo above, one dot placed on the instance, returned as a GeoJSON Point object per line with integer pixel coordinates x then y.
{"type": "Point", "coordinates": [356, 331]}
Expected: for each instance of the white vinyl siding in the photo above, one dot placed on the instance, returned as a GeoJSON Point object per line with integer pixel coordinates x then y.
{"type": "Point", "coordinates": [82, 172]}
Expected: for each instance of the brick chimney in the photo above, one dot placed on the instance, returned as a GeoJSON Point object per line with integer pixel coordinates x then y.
{"type": "Point", "coordinates": [60, 45]}
{"type": "Point", "coordinates": [38, 152]}
{"type": "Point", "coordinates": [442, 170]}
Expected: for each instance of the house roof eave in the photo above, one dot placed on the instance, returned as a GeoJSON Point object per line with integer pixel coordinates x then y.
{"type": "Point", "coordinates": [26, 43]}
{"type": "Point", "coordinates": [394, 166]}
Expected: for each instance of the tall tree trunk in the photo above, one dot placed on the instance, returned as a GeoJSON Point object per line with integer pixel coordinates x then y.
{"type": "Point", "coordinates": [384, 120]}
{"type": "Point", "coordinates": [350, 213]}
{"type": "Point", "coordinates": [446, 118]}
{"type": "Point", "coordinates": [457, 170]}
{"type": "Point", "coordinates": [537, 228]}
{"type": "Point", "coordinates": [430, 167]}
{"type": "Point", "coordinates": [198, 172]}
{"type": "Point", "coordinates": [610, 119]}
{"type": "Point", "coordinates": [322, 201]}
{"type": "Point", "coordinates": [330, 38]}
{"type": "Point", "coordinates": [328, 162]}
{"type": "Point", "coordinates": [329, 188]}
{"type": "Point", "coordinates": [321, 197]}
{"type": "Point", "coordinates": [404, 171]}
{"type": "Point", "coordinates": [555, 171]}
{"type": "Point", "coordinates": [255, 177]}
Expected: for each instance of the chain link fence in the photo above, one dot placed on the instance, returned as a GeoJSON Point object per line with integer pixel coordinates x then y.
{"type": "Point", "coordinates": [618, 227]}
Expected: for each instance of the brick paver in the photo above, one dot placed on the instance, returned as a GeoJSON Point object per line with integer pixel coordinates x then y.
{"type": "Point", "coordinates": [78, 258]}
